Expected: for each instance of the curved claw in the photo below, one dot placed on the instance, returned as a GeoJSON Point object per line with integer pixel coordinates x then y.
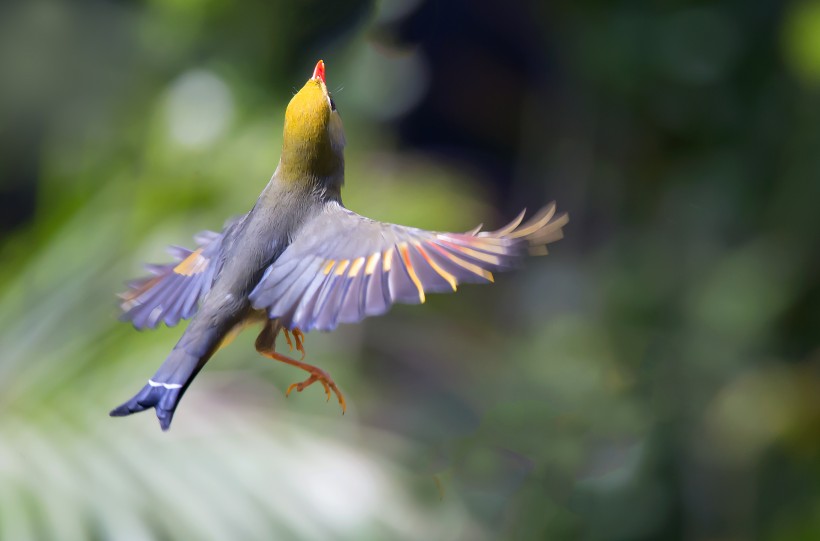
{"type": "Point", "coordinates": [322, 377]}
{"type": "Point", "coordinates": [298, 337]}
{"type": "Point", "coordinates": [300, 386]}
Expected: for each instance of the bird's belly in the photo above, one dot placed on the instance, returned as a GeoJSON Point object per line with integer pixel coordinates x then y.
{"type": "Point", "coordinates": [254, 317]}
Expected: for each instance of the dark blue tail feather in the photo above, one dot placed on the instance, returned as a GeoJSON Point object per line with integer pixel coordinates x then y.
{"type": "Point", "coordinates": [163, 400]}
{"type": "Point", "coordinates": [165, 389]}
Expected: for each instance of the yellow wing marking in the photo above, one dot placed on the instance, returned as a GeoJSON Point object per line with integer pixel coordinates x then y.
{"type": "Point", "coordinates": [340, 270]}
{"type": "Point", "coordinates": [193, 264]}
{"type": "Point", "coordinates": [329, 266]}
{"type": "Point", "coordinates": [405, 255]}
{"type": "Point", "coordinates": [355, 267]}
{"type": "Point", "coordinates": [371, 263]}
{"type": "Point", "coordinates": [387, 264]}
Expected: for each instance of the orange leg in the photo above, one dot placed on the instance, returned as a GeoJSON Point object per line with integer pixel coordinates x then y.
{"type": "Point", "coordinates": [265, 346]}
{"type": "Point", "coordinates": [299, 338]}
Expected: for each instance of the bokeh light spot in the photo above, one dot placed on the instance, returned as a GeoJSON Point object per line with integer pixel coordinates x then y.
{"type": "Point", "coordinates": [200, 108]}
{"type": "Point", "coordinates": [801, 36]}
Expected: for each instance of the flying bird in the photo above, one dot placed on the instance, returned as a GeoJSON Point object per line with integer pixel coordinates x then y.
{"type": "Point", "coordinates": [300, 261]}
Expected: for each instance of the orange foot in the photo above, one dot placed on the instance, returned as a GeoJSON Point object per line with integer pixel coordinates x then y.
{"type": "Point", "coordinates": [317, 374]}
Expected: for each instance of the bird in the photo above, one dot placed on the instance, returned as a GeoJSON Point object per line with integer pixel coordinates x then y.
{"type": "Point", "coordinates": [300, 261]}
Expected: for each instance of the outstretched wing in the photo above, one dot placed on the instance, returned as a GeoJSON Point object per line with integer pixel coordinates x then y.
{"type": "Point", "coordinates": [343, 267]}
{"type": "Point", "coordinates": [173, 291]}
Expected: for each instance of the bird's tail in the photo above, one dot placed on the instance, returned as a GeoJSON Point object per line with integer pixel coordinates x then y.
{"type": "Point", "coordinates": [165, 388]}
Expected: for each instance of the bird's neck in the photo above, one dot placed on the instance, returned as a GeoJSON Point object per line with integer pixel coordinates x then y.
{"type": "Point", "coordinates": [321, 179]}
{"type": "Point", "coordinates": [312, 165]}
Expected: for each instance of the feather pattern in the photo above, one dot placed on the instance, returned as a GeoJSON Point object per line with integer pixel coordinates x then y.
{"type": "Point", "coordinates": [343, 267]}
{"type": "Point", "coordinates": [174, 290]}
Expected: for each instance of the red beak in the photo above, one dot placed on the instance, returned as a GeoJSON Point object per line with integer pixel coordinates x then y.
{"type": "Point", "coordinates": [319, 71]}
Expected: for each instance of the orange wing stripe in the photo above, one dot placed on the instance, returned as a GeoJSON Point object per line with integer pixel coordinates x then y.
{"type": "Point", "coordinates": [481, 256]}
{"type": "Point", "coordinates": [443, 273]}
{"type": "Point", "coordinates": [193, 264]}
{"type": "Point", "coordinates": [410, 270]}
{"type": "Point", "coordinates": [475, 269]}
{"type": "Point", "coordinates": [499, 246]}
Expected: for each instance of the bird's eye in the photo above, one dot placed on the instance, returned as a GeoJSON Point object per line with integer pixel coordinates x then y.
{"type": "Point", "coordinates": [332, 105]}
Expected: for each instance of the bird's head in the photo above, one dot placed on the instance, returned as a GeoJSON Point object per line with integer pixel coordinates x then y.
{"type": "Point", "coordinates": [313, 140]}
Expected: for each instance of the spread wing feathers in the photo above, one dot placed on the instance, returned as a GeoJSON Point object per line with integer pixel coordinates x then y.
{"type": "Point", "coordinates": [173, 290]}
{"type": "Point", "coordinates": [343, 267]}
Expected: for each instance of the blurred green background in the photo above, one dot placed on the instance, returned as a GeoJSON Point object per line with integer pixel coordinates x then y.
{"type": "Point", "coordinates": [657, 377]}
